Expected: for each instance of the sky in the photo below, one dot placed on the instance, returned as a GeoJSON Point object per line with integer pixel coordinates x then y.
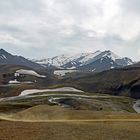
{"type": "Point", "coordinates": [46, 28]}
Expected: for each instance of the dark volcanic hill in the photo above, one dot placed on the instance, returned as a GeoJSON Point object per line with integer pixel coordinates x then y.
{"type": "Point", "coordinates": [120, 82]}
{"type": "Point", "coordinates": [7, 58]}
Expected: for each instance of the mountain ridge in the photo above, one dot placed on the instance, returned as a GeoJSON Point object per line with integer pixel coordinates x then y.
{"type": "Point", "coordinates": [7, 58]}
{"type": "Point", "coordinates": [97, 61]}
{"type": "Point", "coordinates": [93, 60]}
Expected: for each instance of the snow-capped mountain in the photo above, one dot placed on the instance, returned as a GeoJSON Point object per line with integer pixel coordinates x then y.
{"type": "Point", "coordinates": [97, 61]}
{"type": "Point", "coordinates": [62, 60]}
{"type": "Point", "coordinates": [7, 58]}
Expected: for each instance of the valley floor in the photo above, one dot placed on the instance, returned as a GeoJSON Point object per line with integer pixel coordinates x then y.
{"type": "Point", "coordinates": [68, 114]}
{"type": "Point", "coordinates": [69, 130]}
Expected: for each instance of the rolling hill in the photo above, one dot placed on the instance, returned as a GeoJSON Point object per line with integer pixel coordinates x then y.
{"type": "Point", "coordinates": [120, 82]}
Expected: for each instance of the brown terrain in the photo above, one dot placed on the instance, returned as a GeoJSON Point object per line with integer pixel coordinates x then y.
{"type": "Point", "coordinates": [69, 130]}
{"type": "Point", "coordinates": [71, 116]}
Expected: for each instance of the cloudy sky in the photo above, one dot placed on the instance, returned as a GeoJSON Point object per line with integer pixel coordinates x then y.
{"type": "Point", "coordinates": [45, 28]}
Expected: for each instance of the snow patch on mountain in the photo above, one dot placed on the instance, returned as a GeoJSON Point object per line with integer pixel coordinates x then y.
{"type": "Point", "coordinates": [14, 82]}
{"type": "Point", "coordinates": [30, 72]}
{"type": "Point", "coordinates": [2, 56]}
{"type": "Point", "coordinates": [63, 89]}
{"type": "Point", "coordinates": [63, 72]}
{"type": "Point", "coordinates": [110, 55]}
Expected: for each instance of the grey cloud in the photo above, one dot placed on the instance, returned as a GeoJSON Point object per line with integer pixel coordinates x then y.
{"type": "Point", "coordinates": [80, 9]}
{"type": "Point", "coordinates": [51, 27]}
{"type": "Point", "coordinates": [132, 6]}
{"type": "Point", "coordinates": [17, 6]}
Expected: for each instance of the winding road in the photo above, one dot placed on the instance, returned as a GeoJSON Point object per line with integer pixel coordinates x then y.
{"type": "Point", "coordinates": [33, 93]}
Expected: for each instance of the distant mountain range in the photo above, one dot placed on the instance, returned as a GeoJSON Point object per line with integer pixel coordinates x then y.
{"type": "Point", "coordinates": [97, 61]}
